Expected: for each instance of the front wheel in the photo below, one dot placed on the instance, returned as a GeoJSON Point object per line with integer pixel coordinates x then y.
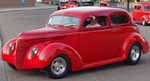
{"type": "Point", "coordinates": [134, 54]}
{"type": "Point", "coordinates": [59, 67]}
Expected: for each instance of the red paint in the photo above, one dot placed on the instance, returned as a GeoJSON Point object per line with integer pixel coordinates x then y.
{"type": "Point", "coordinates": [85, 48]}
{"type": "Point", "coordinates": [141, 14]}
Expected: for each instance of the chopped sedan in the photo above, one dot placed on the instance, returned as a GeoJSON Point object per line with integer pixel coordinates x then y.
{"type": "Point", "coordinates": [76, 39]}
{"type": "Point", "coordinates": [141, 13]}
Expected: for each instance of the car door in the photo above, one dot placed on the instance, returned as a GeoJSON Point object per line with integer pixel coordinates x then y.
{"type": "Point", "coordinates": [120, 30]}
{"type": "Point", "coordinates": [95, 41]}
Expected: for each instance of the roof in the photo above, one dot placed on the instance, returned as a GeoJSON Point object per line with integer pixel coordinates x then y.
{"type": "Point", "coordinates": [81, 11]}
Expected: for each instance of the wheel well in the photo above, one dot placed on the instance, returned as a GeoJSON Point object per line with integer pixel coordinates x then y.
{"type": "Point", "coordinates": [137, 43]}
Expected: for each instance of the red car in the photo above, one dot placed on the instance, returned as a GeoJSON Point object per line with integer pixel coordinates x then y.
{"type": "Point", "coordinates": [77, 39]}
{"type": "Point", "coordinates": [141, 13]}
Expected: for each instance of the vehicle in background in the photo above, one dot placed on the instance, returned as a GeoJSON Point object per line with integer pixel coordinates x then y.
{"type": "Point", "coordinates": [103, 3]}
{"type": "Point", "coordinates": [86, 2]}
{"type": "Point", "coordinates": [45, 1]}
{"type": "Point", "coordinates": [65, 4]}
{"type": "Point", "coordinates": [114, 4]}
{"type": "Point", "coordinates": [141, 13]}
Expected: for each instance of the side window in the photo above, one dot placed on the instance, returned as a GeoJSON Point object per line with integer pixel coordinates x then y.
{"type": "Point", "coordinates": [138, 7]}
{"type": "Point", "coordinates": [102, 20]}
{"type": "Point", "coordinates": [93, 21]}
{"type": "Point", "coordinates": [117, 19]}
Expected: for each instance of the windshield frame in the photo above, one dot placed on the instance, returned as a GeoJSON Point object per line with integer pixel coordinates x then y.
{"type": "Point", "coordinates": [67, 26]}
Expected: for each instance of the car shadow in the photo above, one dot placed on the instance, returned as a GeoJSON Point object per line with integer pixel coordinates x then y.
{"type": "Point", "coordinates": [99, 69]}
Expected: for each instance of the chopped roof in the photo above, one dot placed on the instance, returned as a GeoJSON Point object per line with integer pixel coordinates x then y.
{"type": "Point", "coordinates": [79, 11]}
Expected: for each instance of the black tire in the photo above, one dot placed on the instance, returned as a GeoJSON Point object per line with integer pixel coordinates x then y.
{"type": "Point", "coordinates": [50, 69]}
{"type": "Point", "coordinates": [12, 66]}
{"type": "Point", "coordinates": [132, 58]}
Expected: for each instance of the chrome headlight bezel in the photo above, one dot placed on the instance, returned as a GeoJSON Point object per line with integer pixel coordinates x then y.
{"type": "Point", "coordinates": [11, 47]}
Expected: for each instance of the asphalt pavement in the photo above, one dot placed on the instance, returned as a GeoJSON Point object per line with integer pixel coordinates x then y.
{"type": "Point", "coordinates": [13, 22]}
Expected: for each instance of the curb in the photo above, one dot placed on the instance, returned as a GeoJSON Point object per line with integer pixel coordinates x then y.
{"type": "Point", "coordinates": [26, 8]}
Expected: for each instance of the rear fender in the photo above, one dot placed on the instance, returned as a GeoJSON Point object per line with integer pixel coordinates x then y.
{"type": "Point", "coordinates": [134, 38]}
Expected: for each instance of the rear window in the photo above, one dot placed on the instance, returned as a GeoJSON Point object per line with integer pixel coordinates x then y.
{"type": "Point", "coordinates": [119, 19]}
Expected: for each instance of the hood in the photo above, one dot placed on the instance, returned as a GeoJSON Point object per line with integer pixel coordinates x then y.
{"type": "Point", "coordinates": [46, 32]}
{"type": "Point", "coordinates": [27, 39]}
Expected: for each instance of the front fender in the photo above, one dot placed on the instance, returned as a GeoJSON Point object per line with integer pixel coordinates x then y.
{"type": "Point", "coordinates": [54, 49]}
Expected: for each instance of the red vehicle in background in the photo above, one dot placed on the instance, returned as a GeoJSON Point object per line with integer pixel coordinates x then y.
{"type": "Point", "coordinates": [103, 3]}
{"type": "Point", "coordinates": [67, 4]}
{"type": "Point", "coordinates": [141, 13]}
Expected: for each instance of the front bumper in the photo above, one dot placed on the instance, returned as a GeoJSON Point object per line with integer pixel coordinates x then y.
{"type": "Point", "coordinates": [28, 64]}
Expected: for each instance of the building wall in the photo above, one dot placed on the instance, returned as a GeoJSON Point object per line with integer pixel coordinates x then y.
{"type": "Point", "coordinates": [15, 3]}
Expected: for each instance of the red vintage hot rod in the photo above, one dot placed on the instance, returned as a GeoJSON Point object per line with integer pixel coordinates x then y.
{"type": "Point", "coordinates": [141, 13]}
{"type": "Point", "coordinates": [76, 39]}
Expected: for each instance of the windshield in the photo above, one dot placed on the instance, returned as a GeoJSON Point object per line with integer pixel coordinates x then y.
{"type": "Point", "coordinates": [64, 20]}
{"type": "Point", "coordinates": [147, 7]}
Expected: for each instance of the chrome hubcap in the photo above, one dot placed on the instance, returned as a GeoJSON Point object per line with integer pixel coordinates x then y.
{"type": "Point", "coordinates": [58, 66]}
{"type": "Point", "coordinates": [135, 53]}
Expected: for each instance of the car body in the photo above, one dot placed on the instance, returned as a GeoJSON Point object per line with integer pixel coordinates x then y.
{"type": "Point", "coordinates": [67, 4]}
{"type": "Point", "coordinates": [141, 13]}
{"type": "Point", "coordinates": [67, 35]}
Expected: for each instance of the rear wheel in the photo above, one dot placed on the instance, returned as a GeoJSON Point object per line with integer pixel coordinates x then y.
{"type": "Point", "coordinates": [59, 67]}
{"type": "Point", "coordinates": [134, 54]}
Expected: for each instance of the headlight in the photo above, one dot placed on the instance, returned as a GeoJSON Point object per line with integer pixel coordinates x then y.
{"type": "Point", "coordinates": [11, 47]}
{"type": "Point", "coordinates": [34, 51]}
